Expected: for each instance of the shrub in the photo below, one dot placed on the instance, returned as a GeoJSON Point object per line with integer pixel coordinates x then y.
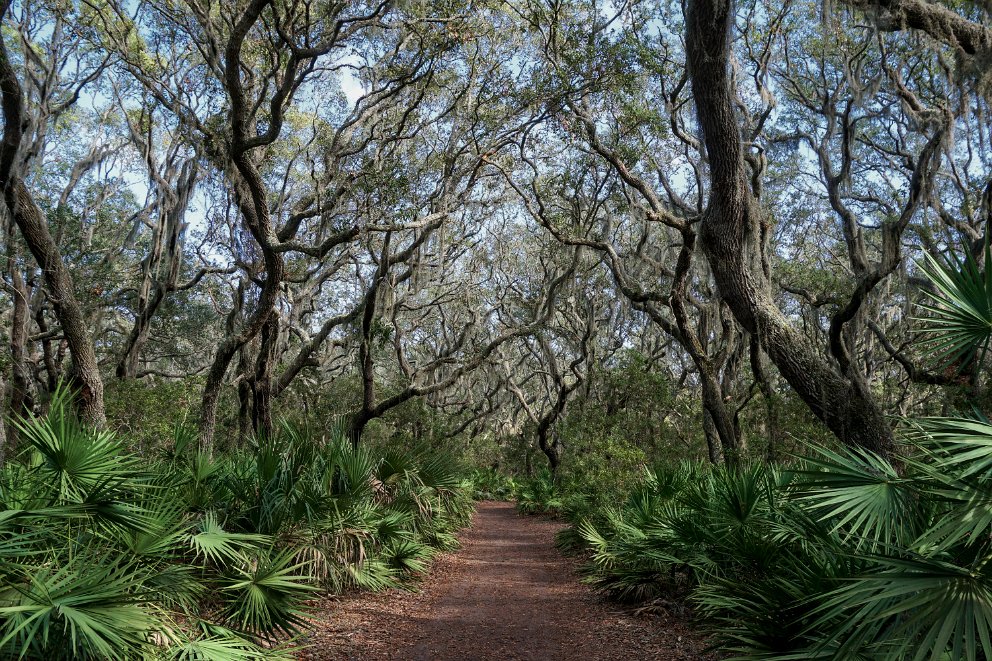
{"type": "Point", "coordinates": [490, 484]}
{"type": "Point", "coordinates": [842, 557]}
{"type": "Point", "coordinates": [107, 555]}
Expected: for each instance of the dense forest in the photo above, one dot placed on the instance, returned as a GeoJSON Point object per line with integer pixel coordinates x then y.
{"type": "Point", "coordinates": [285, 283]}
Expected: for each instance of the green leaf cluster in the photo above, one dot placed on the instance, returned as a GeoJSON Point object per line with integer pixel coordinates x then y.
{"type": "Point", "coordinates": [108, 555]}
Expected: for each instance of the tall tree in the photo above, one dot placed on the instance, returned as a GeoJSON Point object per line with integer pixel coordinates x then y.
{"type": "Point", "coordinates": [15, 156]}
{"type": "Point", "coordinates": [734, 233]}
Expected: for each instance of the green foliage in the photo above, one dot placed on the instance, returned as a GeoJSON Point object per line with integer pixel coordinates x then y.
{"type": "Point", "coordinates": [490, 484]}
{"type": "Point", "coordinates": [145, 414]}
{"type": "Point", "coordinates": [959, 326]}
{"type": "Point", "coordinates": [843, 557]}
{"type": "Point", "coordinates": [105, 555]}
{"type": "Point", "coordinates": [539, 495]}
{"type": "Point", "coordinates": [604, 469]}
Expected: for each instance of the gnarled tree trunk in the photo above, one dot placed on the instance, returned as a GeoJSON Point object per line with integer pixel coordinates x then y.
{"type": "Point", "coordinates": [732, 240]}
{"type": "Point", "coordinates": [34, 228]}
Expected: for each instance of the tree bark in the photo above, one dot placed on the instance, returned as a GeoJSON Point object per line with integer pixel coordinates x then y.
{"type": "Point", "coordinates": [551, 448]}
{"type": "Point", "coordinates": [127, 366]}
{"type": "Point", "coordinates": [773, 431]}
{"type": "Point", "coordinates": [165, 254]}
{"type": "Point", "coordinates": [939, 22]}
{"type": "Point", "coordinates": [20, 378]}
{"type": "Point", "coordinates": [4, 439]}
{"type": "Point", "coordinates": [718, 420]}
{"type": "Point", "coordinates": [732, 228]}
{"type": "Point", "coordinates": [34, 228]}
{"type": "Point", "coordinates": [366, 361]}
{"type": "Point", "coordinates": [262, 391]}
{"type": "Point", "coordinates": [713, 445]}
{"type": "Point", "coordinates": [230, 345]}
{"type": "Point", "coordinates": [240, 163]}
{"type": "Point", "coordinates": [48, 353]}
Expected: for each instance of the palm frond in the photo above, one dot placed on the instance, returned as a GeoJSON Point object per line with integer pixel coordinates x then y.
{"type": "Point", "coordinates": [959, 326]}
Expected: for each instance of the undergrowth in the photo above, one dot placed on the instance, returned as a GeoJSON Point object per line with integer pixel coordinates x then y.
{"type": "Point", "coordinates": [842, 556]}
{"type": "Point", "coordinates": [105, 554]}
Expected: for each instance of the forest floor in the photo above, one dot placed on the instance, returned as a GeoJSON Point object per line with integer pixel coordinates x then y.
{"type": "Point", "coordinates": [506, 594]}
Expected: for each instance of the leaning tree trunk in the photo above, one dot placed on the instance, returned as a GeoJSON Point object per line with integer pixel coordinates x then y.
{"type": "Point", "coordinates": [48, 353]}
{"type": "Point", "coordinates": [713, 446]}
{"type": "Point", "coordinates": [127, 366]}
{"type": "Point", "coordinates": [86, 371]}
{"type": "Point", "coordinates": [34, 228]}
{"type": "Point", "coordinates": [366, 360]}
{"type": "Point", "coordinates": [20, 376]}
{"type": "Point", "coordinates": [731, 234]}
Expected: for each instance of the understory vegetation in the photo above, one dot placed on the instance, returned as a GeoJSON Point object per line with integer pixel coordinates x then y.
{"type": "Point", "coordinates": [105, 554]}
{"type": "Point", "coordinates": [837, 556]}
{"type": "Point", "coordinates": [709, 279]}
{"type": "Point", "coordinates": [836, 553]}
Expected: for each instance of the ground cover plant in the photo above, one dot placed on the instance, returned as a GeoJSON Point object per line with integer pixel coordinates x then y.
{"type": "Point", "coordinates": [838, 556]}
{"type": "Point", "coordinates": [105, 554]}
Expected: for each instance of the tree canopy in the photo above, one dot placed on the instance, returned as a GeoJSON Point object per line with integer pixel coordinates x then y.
{"type": "Point", "coordinates": [494, 211]}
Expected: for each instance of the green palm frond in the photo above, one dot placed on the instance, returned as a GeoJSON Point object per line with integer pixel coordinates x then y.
{"type": "Point", "coordinates": [266, 594]}
{"type": "Point", "coordinates": [922, 608]}
{"type": "Point", "coordinates": [107, 556]}
{"type": "Point", "coordinates": [86, 608]}
{"type": "Point", "coordinates": [210, 541]}
{"type": "Point", "coordinates": [859, 495]}
{"type": "Point", "coordinates": [219, 649]}
{"type": "Point", "coordinates": [212, 642]}
{"type": "Point", "coordinates": [438, 473]}
{"type": "Point", "coordinates": [73, 460]}
{"type": "Point", "coordinates": [763, 619]}
{"type": "Point", "coordinates": [407, 556]}
{"type": "Point", "coordinates": [959, 326]}
{"type": "Point", "coordinates": [961, 447]}
{"type": "Point", "coordinates": [393, 525]}
{"type": "Point", "coordinates": [372, 574]}
{"type": "Point", "coordinates": [955, 470]}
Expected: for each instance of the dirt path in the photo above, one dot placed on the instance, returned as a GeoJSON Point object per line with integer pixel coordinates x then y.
{"type": "Point", "coordinates": [505, 595]}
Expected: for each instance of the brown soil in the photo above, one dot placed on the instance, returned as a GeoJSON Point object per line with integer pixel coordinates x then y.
{"type": "Point", "coordinates": [507, 594]}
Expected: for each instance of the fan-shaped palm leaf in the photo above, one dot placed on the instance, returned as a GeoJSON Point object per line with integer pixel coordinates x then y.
{"type": "Point", "coordinates": [86, 608]}
{"type": "Point", "coordinates": [959, 326]}
{"type": "Point", "coordinates": [266, 594]}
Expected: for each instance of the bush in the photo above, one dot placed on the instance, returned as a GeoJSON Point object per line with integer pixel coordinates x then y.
{"type": "Point", "coordinates": [108, 555]}
{"type": "Point", "coordinates": [490, 484]}
{"type": "Point", "coordinates": [143, 414]}
{"type": "Point", "coordinates": [843, 557]}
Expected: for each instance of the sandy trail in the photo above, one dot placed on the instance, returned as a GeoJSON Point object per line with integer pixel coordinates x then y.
{"type": "Point", "coordinates": [506, 594]}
